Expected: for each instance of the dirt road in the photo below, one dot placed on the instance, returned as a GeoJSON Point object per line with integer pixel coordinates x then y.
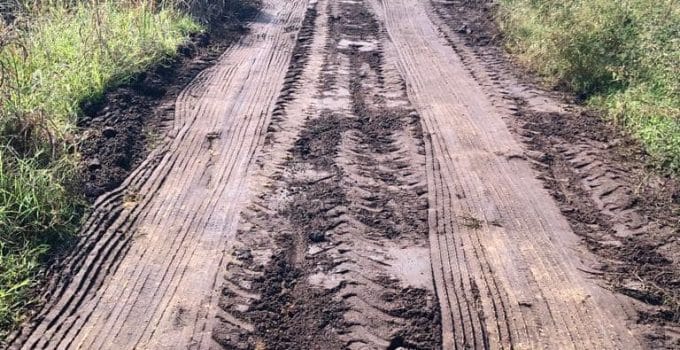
{"type": "Point", "coordinates": [340, 179]}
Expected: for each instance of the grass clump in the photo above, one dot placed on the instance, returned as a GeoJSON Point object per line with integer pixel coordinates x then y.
{"type": "Point", "coordinates": [55, 56]}
{"type": "Point", "coordinates": [621, 56]}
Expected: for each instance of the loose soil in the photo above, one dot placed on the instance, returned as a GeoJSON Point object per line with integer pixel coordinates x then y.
{"type": "Point", "coordinates": [364, 175]}
{"type": "Point", "coordinates": [345, 199]}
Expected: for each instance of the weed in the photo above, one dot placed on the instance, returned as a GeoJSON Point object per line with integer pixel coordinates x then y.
{"type": "Point", "coordinates": [471, 222]}
{"type": "Point", "coordinates": [621, 56]}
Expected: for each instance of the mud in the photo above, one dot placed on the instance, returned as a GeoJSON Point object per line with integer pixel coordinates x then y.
{"type": "Point", "coordinates": [626, 211]}
{"type": "Point", "coordinates": [359, 175]}
{"type": "Point", "coordinates": [337, 186]}
{"type": "Point", "coordinates": [120, 129]}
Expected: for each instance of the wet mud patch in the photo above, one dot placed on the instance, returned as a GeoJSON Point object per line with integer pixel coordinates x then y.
{"type": "Point", "coordinates": [318, 142]}
{"type": "Point", "coordinates": [474, 20]}
{"type": "Point", "coordinates": [302, 318]}
{"type": "Point", "coordinates": [289, 312]}
{"type": "Point", "coordinates": [376, 125]}
{"type": "Point", "coordinates": [292, 314]}
{"type": "Point", "coordinates": [383, 170]}
{"type": "Point", "coordinates": [416, 305]}
{"type": "Point", "coordinates": [379, 130]}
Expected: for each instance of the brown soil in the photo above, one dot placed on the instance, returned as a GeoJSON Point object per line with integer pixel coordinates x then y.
{"type": "Point", "coordinates": [338, 184]}
{"type": "Point", "coordinates": [368, 175]}
{"type": "Point", "coordinates": [120, 130]}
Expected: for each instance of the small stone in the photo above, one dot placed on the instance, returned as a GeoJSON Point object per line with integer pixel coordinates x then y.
{"type": "Point", "coordinates": [94, 163]}
{"type": "Point", "coordinates": [109, 132]}
{"type": "Point", "coordinates": [317, 237]}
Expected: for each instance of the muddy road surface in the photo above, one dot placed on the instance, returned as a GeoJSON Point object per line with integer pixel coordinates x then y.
{"type": "Point", "coordinates": [343, 178]}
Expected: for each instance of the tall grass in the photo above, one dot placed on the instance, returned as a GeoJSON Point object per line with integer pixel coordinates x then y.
{"type": "Point", "coordinates": [54, 56]}
{"type": "Point", "coordinates": [77, 51]}
{"type": "Point", "coordinates": [620, 55]}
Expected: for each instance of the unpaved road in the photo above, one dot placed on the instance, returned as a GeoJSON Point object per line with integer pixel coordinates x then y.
{"type": "Point", "coordinates": [340, 179]}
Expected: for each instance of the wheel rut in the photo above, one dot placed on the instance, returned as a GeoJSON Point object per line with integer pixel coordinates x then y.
{"type": "Point", "coordinates": [507, 266]}
{"type": "Point", "coordinates": [345, 208]}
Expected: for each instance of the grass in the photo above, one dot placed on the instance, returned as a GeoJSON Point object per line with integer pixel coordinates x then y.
{"type": "Point", "coordinates": [621, 56]}
{"type": "Point", "coordinates": [55, 56]}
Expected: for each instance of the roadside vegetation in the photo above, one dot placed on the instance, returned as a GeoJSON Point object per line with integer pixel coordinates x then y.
{"type": "Point", "coordinates": [621, 56]}
{"type": "Point", "coordinates": [56, 55]}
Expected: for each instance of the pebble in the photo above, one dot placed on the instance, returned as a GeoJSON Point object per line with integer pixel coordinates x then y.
{"type": "Point", "coordinates": [94, 163]}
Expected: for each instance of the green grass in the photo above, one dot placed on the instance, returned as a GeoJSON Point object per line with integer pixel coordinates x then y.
{"type": "Point", "coordinates": [620, 55]}
{"type": "Point", "coordinates": [55, 56]}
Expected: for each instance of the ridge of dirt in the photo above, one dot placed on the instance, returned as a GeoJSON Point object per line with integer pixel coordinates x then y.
{"type": "Point", "coordinates": [119, 130]}
{"type": "Point", "coordinates": [627, 213]}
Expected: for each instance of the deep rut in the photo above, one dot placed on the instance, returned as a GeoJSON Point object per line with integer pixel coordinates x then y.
{"type": "Point", "coordinates": [339, 180]}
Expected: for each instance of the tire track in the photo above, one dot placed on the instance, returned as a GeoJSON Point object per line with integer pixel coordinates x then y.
{"type": "Point", "coordinates": [306, 130]}
{"type": "Point", "coordinates": [345, 204]}
{"type": "Point", "coordinates": [500, 246]}
{"type": "Point", "coordinates": [154, 245]}
{"type": "Point", "coordinates": [594, 173]}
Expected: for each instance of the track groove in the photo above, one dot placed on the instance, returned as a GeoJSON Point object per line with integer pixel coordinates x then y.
{"type": "Point", "coordinates": [500, 246]}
